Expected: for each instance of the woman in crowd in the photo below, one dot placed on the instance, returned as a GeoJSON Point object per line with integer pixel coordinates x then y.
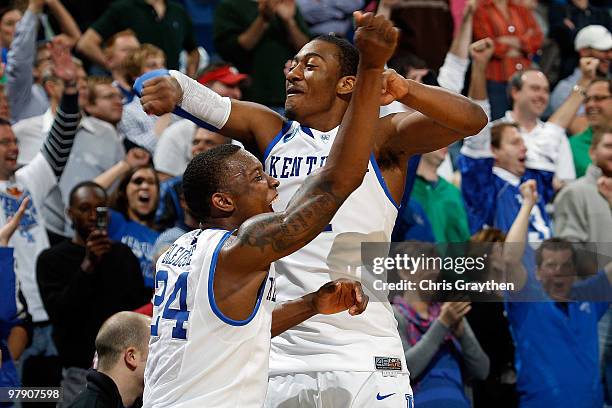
{"type": "Point", "coordinates": [133, 210]}
{"type": "Point", "coordinates": [440, 347]}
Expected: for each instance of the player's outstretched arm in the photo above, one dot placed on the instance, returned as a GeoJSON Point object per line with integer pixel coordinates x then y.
{"type": "Point", "coordinates": [246, 122]}
{"type": "Point", "coordinates": [333, 297]}
{"type": "Point", "coordinates": [268, 237]}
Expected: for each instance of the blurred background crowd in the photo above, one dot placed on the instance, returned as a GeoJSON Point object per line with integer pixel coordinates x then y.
{"type": "Point", "coordinates": [74, 139]}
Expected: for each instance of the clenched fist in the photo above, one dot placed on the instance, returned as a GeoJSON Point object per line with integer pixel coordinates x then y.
{"type": "Point", "coordinates": [375, 38]}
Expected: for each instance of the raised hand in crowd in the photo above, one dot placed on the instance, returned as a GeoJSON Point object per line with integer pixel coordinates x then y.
{"type": "Point", "coordinates": [285, 9]}
{"type": "Point", "coordinates": [63, 65]}
{"type": "Point", "coordinates": [588, 68]}
{"type": "Point", "coordinates": [267, 8]}
{"type": "Point", "coordinates": [529, 193]}
{"type": "Point", "coordinates": [137, 157]}
{"type": "Point", "coordinates": [604, 185]}
{"type": "Point", "coordinates": [452, 314]}
{"type": "Point", "coordinates": [481, 51]}
{"type": "Point", "coordinates": [7, 231]}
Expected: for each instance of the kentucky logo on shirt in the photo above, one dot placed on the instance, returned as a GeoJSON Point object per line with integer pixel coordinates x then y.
{"type": "Point", "coordinates": [10, 204]}
{"type": "Point", "coordinates": [285, 167]}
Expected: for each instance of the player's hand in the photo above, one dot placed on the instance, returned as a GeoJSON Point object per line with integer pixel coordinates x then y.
{"type": "Point", "coordinates": [604, 185]}
{"type": "Point", "coordinates": [136, 157]}
{"type": "Point", "coordinates": [452, 312]}
{"type": "Point", "coordinates": [394, 87]}
{"type": "Point", "coordinates": [588, 68]}
{"type": "Point", "coordinates": [375, 38]}
{"type": "Point", "coordinates": [481, 51]}
{"type": "Point", "coordinates": [339, 295]}
{"type": "Point", "coordinates": [97, 245]}
{"type": "Point", "coordinates": [529, 192]}
{"type": "Point", "coordinates": [161, 95]}
{"type": "Point", "coordinates": [7, 231]}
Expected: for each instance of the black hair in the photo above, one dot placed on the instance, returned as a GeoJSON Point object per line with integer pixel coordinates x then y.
{"type": "Point", "coordinates": [555, 244]}
{"type": "Point", "coordinates": [86, 184]}
{"type": "Point", "coordinates": [349, 55]}
{"type": "Point", "coordinates": [204, 177]}
{"type": "Point", "coordinates": [120, 202]}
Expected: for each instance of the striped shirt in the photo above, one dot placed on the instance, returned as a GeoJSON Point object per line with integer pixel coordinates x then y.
{"type": "Point", "coordinates": [490, 22]}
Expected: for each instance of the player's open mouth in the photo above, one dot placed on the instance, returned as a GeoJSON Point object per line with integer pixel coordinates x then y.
{"type": "Point", "coordinates": [292, 90]}
{"type": "Point", "coordinates": [275, 199]}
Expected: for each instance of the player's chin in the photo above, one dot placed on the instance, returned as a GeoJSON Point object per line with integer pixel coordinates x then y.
{"type": "Point", "coordinates": [290, 110]}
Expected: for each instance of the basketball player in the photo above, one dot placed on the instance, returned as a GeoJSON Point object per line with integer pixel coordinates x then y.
{"type": "Point", "coordinates": [213, 309]}
{"type": "Point", "coordinates": [329, 361]}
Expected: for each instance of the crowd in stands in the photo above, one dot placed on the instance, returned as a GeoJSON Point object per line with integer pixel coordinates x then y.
{"type": "Point", "coordinates": [91, 186]}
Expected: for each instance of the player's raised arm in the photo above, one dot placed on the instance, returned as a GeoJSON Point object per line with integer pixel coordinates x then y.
{"type": "Point", "coordinates": [442, 117]}
{"type": "Point", "coordinates": [247, 122]}
{"type": "Point", "coordinates": [268, 237]}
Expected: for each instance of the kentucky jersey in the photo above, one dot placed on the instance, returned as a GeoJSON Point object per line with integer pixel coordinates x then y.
{"type": "Point", "coordinates": [199, 357]}
{"type": "Point", "coordinates": [337, 342]}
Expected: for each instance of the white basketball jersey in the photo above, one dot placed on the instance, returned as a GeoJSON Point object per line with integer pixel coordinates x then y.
{"type": "Point", "coordinates": [337, 342]}
{"type": "Point", "coordinates": [197, 356]}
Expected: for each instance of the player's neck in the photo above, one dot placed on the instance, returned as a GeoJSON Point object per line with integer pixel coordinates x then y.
{"type": "Point", "coordinates": [324, 121]}
{"type": "Point", "coordinates": [228, 224]}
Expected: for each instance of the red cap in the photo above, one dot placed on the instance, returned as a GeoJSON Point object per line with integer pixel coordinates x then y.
{"type": "Point", "coordinates": [225, 74]}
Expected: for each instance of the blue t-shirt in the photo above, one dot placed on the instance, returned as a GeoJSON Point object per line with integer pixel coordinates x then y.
{"type": "Point", "coordinates": [139, 238]}
{"type": "Point", "coordinates": [8, 318]}
{"type": "Point", "coordinates": [557, 351]}
{"type": "Point", "coordinates": [494, 201]}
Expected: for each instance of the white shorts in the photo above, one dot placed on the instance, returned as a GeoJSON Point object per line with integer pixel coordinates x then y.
{"type": "Point", "coordinates": [339, 389]}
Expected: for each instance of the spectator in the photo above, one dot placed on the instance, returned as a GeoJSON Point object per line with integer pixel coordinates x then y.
{"type": "Point", "coordinates": [517, 37]}
{"type": "Point", "coordinates": [31, 132]}
{"type": "Point", "coordinates": [566, 19]}
{"type": "Point", "coordinates": [35, 180]}
{"type": "Point", "coordinates": [9, 17]}
{"type": "Point", "coordinates": [259, 37]}
{"type": "Point", "coordinates": [134, 204]}
{"type": "Point", "coordinates": [170, 210]}
{"type": "Point", "coordinates": [598, 108]}
{"type": "Point", "coordinates": [591, 41]}
{"type": "Point", "coordinates": [549, 158]}
{"type": "Point", "coordinates": [122, 346]}
{"type": "Point", "coordinates": [174, 149]}
{"type": "Point", "coordinates": [159, 22]}
{"type": "Point", "coordinates": [26, 62]}
{"type": "Point", "coordinates": [136, 126]}
{"type": "Point", "coordinates": [492, 164]}
{"type": "Point", "coordinates": [329, 16]}
{"type": "Point", "coordinates": [415, 18]}
{"type": "Point", "coordinates": [15, 330]}
{"type": "Point", "coordinates": [555, 331]}
{"type": "Point", "coordinates": [97, 148]}
{"type": "Point", "coordinates": [117, 49]}
{"type": "Point", "coordinates": [78, 282]}
{"type": "Point", "coordinates": [582, 213]}
{"type": "Point", "coordinates": [439, 344]}
{"type": "Point", "coordinates": [441, 200]}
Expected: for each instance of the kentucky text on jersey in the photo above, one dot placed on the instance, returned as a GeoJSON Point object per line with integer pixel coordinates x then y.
{"type": "Point", "coordinates": [285, 167]}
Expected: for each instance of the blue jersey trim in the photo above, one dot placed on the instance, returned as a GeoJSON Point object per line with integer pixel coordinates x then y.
{"type": "Point", "coordinates": [276, 139]}
{"type": "Point", "coordinates": [381, 180]}
{"type": "Point", "coordinates": [211, 292]}
{"type": "Point", "coordinates": [307, 130]}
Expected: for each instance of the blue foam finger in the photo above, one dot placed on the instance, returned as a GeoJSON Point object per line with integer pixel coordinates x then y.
{"type": "Point", "coordinates": [139, 83]}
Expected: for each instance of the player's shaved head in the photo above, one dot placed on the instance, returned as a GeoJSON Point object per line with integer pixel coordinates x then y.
{"type": "Point", "coordinates": [119, 332]}
{"type": "Point", "coordinates": [348, 55]}
{"type": "Point", "coordinates": [205, 176]}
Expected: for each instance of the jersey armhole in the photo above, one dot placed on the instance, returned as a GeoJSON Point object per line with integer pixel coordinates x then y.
{"type": "Point", "coordinates": [381, 180]}
{"type": "Point", "coordinates": [277, 138]}
{"type": "Point", "coordinates": [211, 292]}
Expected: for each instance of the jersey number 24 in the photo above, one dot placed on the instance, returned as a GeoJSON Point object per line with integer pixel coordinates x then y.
{"type": "Point", "coordinates": [178, 298]}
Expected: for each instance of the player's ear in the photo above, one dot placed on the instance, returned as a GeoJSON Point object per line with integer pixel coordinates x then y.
{"type": "Point", "coordinates": [345, 85]}
{"type": "Point", "coordinates": [223, 202]}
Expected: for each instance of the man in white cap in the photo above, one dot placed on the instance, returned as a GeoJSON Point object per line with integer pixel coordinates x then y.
{"type": "Point", "coordinates": [592, 41]}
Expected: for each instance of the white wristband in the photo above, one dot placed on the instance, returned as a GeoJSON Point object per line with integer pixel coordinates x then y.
{"type": "Point", "coordinates": [202, 102]}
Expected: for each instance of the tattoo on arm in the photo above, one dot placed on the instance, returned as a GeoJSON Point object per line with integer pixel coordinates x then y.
{"type": "Point", "coordinates": [279, 234]}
